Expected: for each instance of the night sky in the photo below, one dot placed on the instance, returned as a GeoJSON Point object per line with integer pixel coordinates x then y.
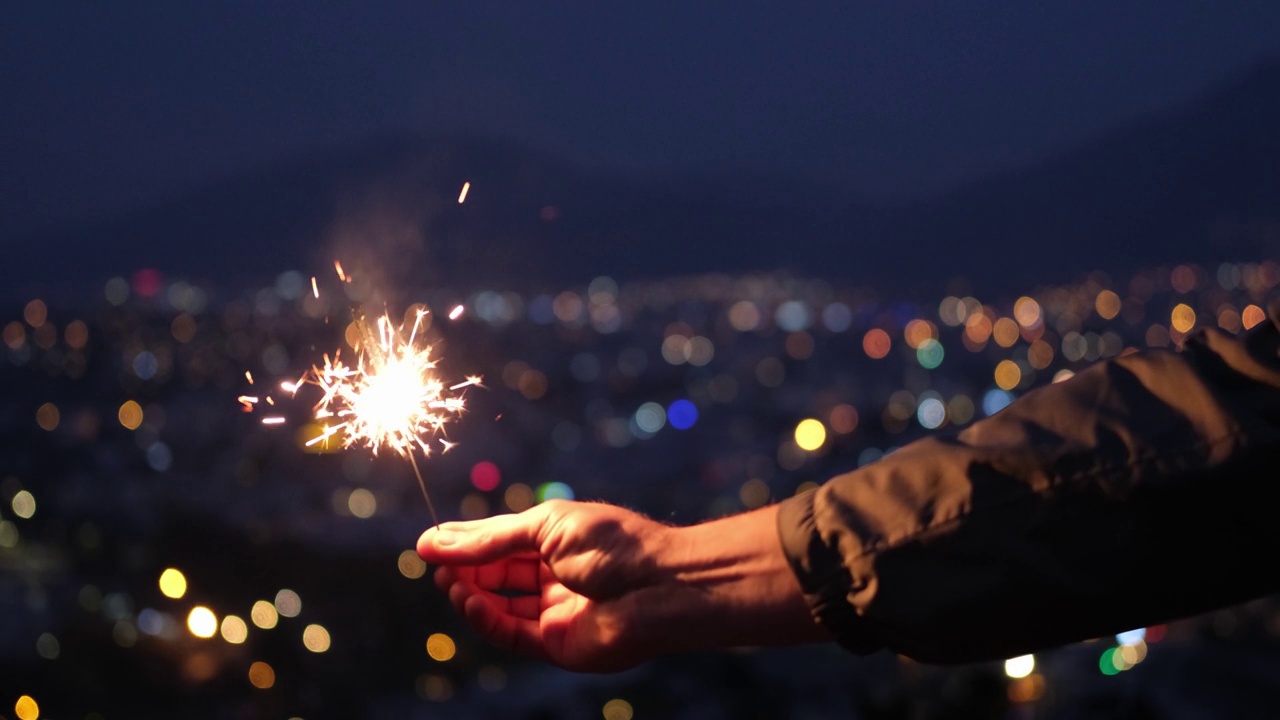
{"type": "Point", "coordinates": [110, 107]}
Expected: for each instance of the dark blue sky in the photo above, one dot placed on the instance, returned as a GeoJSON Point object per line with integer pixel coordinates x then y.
{"type": "Point", "coordinates": [109, 107]}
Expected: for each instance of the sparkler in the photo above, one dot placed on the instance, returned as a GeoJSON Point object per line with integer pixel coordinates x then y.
{"type": "Point", "coordinates": [390, 398]}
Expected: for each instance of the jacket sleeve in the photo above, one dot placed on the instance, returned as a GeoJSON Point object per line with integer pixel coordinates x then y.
{"type": "Point", "coordinates": [1144, 489]}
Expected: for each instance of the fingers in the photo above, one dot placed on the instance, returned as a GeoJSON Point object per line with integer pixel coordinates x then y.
{"type": "Point", "coordinates": [483, 541]}
{"type": "Point", "coordinates": [510, 623]}
{"type": "Point", "coordinates": [519, 574]}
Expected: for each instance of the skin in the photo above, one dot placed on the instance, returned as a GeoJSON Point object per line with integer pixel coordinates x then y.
{"type": "Point", "coordinates": [592, 587]}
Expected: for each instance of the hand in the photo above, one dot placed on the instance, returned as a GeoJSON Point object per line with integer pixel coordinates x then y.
{"type": "Point", "coordinates": [594, 587]}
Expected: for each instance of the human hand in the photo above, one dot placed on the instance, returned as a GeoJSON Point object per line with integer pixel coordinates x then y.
{"type": "Point", "coordinates": [597, 588]}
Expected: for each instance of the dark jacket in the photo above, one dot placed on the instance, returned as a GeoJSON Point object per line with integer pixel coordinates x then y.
{"type": "Point", "coordinates": [1144, 489]}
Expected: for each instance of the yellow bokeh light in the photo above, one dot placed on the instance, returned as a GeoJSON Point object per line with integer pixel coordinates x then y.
{"type": "Point", "coordinates": [315, 638]}
{"type": "Point", "coordinates": [1107, 304]}
{"type": "Point", "coordinates": [264, 615]}
{"type": "Point", "coordinates": [26, 708]}
{"type": "Point", "coordinates": [202, 622]}
{"type": "Point", "coordinates": [47, 417]}
{"type": "Point", "coordinates": [440, 647]}
{"type": "Point", "coordinates": [1182, 318]}
{"type": "Point", "coordinates": [262, 675]}
{"type": "Point", "coordinates": [173, 583]}
{"type": "Point", "coordinates": [1005, 332]}
{"type": "Point", "coordinates": [234, 630]}
{"type": "Point", "coordinates": [810, 434]}
{"type": "Point", "coordinates": [23, 504]}
{"type": "Point", "coordinates": [618, 709]}
{"type": "Point", "coordinates": [1008, 375]}
{"type": "Point", "coordinates": [130, 415]}
{"type": "Point", "coordinates": [410, 565]}
{"type": "Point", "coordinates": [35, 313]}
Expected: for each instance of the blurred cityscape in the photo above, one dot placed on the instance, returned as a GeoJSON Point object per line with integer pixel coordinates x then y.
{"type": "Point", "coordinates": [166, 553]}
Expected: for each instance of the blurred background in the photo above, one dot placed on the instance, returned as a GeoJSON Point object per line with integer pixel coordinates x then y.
{"type": "Point", "coordinates": [708, 256]}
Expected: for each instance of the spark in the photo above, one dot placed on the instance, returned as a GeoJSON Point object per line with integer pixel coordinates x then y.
{"type": "Point", "coordinates": [248, 401]}
{"type": "Point", "coordinates": [462, 196]}
{"type": "Point", "coordinates": [271, 402]}
{"type": "Point", "coordinates": [456, 313]}
{"type": "Point", "coordinates": [390, 398]}
{"type": "Point", "coordinates": [341, 275]}
{"type": "Point", "coordinates": [315, 290]}
{"type": "Point", "coordinates": [289, 387]}
{"type": "Point", "coordinates": [273, 420]}
{"type": "Point", "coordinates": [248, 376]}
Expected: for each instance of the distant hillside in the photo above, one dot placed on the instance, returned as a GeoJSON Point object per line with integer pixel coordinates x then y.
{"type": "Point", "coordinates": [1198, 183]}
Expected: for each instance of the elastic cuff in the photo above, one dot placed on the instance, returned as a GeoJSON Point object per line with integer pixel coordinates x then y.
{"type": "Point", "coordinates": [824, 579]}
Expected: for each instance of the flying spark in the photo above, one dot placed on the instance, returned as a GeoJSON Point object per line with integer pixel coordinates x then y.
{"type": "Point", "coordinates": [341, 275]}
{"type": "Point", "coordinates": [273, 420]}
{"type": "Point", "coordinates": [462, 196]}
{"type": "Point", "coordinates": [455, 313]}
{"type": "Point", "coordinates": [248, 376]}
{"type": "Point", "coordinates": [314, 289]}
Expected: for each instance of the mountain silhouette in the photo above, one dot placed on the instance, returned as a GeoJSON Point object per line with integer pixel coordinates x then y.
{"type": "Point", "coordinates": [1198, 183]}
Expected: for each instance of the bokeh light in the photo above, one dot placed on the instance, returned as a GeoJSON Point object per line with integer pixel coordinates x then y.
{"type": "Point", "coordinates": [262, 675]}
{"type": "Point", "coordinates": [876, 343]}
{"type": "Point", "coordinates": [682, 414]}
{"type": "Point", "coordinates": [485, 476]}
{"type": "Point", "coordinates": [617, 709]}
{"type": "Point", "coordinates": [264, 615]}
{"type": "Point", "coordinates": [234, 630]}
{"type": "Point", "coordinates": [173, 584]}
{"type": "Point", "coordinates": [23, 504]}
{"type": "Point", "coordinates": [26, 708]}
{"type": "Point", "coordinates": [47, 417]}
{"type": "Point", "coordinates": [810, 434]}
{"type": "Point", "coordinates": [410, 565]}
{"type": "Point", "coordinates": [202, 622]}
{"type": "Point", "coordinates": [130, 415]}
{"type": "Point", "coordinates": [287, 603]}
{"type": "Point", "coordinates": [441, 647]}
{"type": "Point", "coordinates": [554, 491]}
{"type": "Point", "coordinates": [316, 638]}
{"type": "Point", "coordinates": [1020, 667]}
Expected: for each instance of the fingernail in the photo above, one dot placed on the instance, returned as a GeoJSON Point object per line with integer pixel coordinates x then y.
{"type": "Point", "coordinates": [445, 537]}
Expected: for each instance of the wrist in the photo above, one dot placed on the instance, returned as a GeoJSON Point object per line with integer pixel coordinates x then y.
{"type": "Point", "coordinates": [727, 583]}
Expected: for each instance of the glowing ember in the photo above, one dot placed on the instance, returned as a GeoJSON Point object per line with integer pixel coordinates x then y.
{"type": "Point", "coordinates": [273, 420]}
{"type": "Point", "coordinates": [315, 290]}
{"type": "Point", "coordinates": [341, 275]}
{"type": "Point", "coordinates": [248, 376]}
{"type": "Point", "coordinates": [455, 313]}
{"type": "Point", "coordinates": [462, 196]}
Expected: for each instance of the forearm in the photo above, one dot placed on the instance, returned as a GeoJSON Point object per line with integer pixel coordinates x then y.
{"type": "Point", "coordinates": [726, 583]}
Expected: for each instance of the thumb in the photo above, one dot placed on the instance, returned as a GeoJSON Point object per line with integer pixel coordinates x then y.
{"type": "Point", "coordinates": [482, 541]}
